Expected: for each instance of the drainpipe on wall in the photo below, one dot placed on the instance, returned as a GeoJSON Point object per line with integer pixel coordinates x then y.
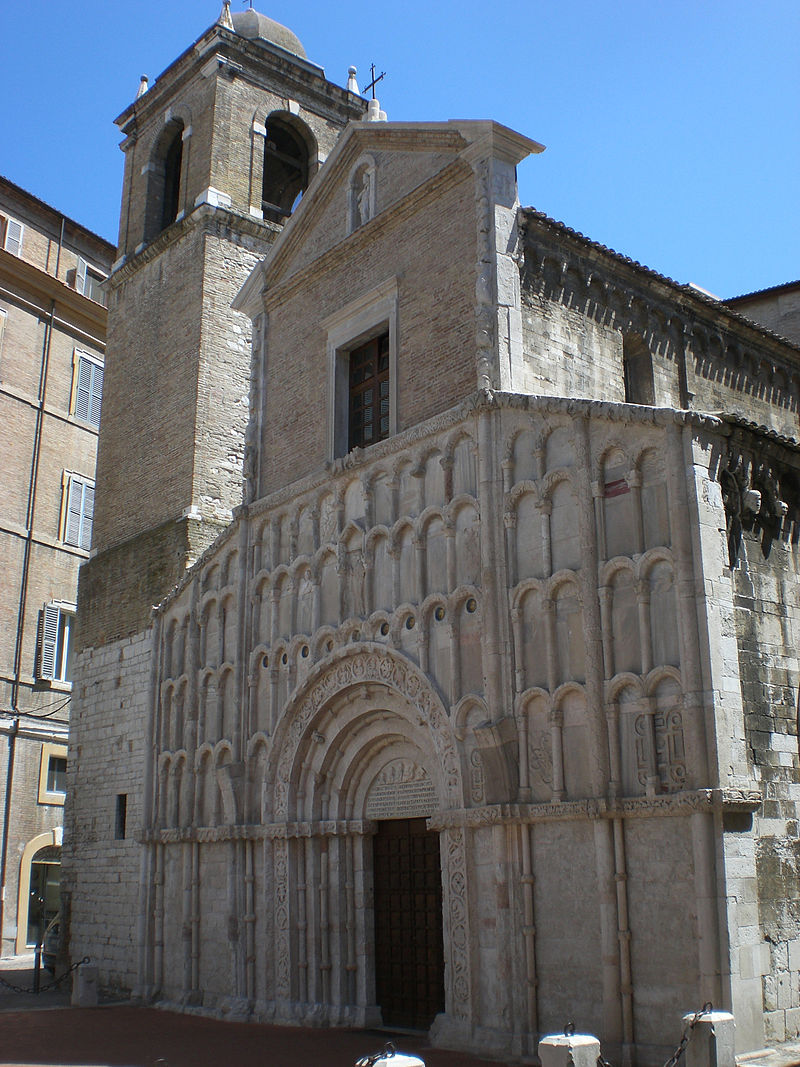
{"type": "Point", "coordinates": [12, 745]}
{"type": "Point", "coordinates": [23, 598]}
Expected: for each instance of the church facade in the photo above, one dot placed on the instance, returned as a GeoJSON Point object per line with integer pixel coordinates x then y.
{"type": "Point", "coordinates": [481, 713]}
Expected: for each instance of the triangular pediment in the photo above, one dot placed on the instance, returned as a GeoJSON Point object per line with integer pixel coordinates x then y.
{"type": "Point", "coordinates": [377, 171]}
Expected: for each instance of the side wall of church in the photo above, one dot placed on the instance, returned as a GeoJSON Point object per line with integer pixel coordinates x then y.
{"type": "Point", "coordinates": [579, 308]}
{"type": "Point", "coordinates": [767, 617]}
{"type": "Point", "coordinates": [101, 859]}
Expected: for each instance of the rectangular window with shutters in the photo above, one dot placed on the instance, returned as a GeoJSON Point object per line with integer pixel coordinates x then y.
{"type": "Point", "coordinates": [77, 511]}
{"type": "Point", "coordinates": [87, 388]}
{"type": "Point", "coordinates": [12, 236]}
{"type": "Point", "coordinates": [89, 281]}
{"type": "Point", "coordinates": [55, 630]}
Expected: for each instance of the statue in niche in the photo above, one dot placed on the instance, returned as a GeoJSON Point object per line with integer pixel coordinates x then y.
{"type": "Point", "coordinates": [362, 195]}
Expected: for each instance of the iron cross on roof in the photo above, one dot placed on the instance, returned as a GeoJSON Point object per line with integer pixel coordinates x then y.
{"type": "Point", "coordinates": [374, 81]}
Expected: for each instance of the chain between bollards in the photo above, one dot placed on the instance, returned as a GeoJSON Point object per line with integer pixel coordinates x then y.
{"type": "Point", "coordinates": [37, 988]}
{"type": "Point", "coordinates": [680, 1048]}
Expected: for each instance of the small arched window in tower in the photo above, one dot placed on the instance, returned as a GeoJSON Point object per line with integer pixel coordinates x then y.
{"type": "Point", "coordinates": [637, 368]}
{"type": "Point", "coordinates": [164, 185]}
{"type": "Point", "coordinates": [172, 179]}
{"type": "Point", "coordinates": [286, 168]}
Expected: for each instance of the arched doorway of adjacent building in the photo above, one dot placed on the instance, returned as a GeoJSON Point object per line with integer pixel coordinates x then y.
{"type": "Point", "coordinates": [39, 898]}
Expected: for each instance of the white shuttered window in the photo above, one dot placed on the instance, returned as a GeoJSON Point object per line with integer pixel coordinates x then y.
{"type": "Point", "coordinates": [78, 511]}
{"type": "Point", "coordinates": [13, 237]}
{"type": "Point", "coordinates": [55, 632]}
{"type": "Point", "coordinates": [88, 389]}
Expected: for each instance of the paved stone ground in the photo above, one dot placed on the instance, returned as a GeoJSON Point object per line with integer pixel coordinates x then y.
{"type": "Point", "coordinates": [45, 1031]}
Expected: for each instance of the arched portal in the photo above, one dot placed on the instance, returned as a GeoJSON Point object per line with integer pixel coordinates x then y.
{"type": "Point", "coordinates": [362, 758]}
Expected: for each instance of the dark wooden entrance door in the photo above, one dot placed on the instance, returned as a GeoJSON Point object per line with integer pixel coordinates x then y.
{"type": "Point", "coordinates": [409, 953]}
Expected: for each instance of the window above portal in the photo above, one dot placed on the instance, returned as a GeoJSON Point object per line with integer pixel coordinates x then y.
{"type": "Point", "coordinates": [369, 392]}
{"type": "Point", "coordinates": [362, 371]}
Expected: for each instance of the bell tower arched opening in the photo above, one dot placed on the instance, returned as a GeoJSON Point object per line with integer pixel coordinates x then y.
{"type": "Point", "coordinates": [164, 186]}
{"type": "Point", "coordinates": [288, 151]}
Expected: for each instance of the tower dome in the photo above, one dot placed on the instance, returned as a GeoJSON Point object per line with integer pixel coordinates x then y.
{"type": "Point", "coordinates": [258, 27]}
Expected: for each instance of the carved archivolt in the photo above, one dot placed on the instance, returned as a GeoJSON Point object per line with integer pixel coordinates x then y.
{"type": "Point", "coordinates": [346, 669]}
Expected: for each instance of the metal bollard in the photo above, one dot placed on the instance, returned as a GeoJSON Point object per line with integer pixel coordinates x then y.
{"type": "Point", "coordinates": [390, 1057]}
{"type": "Point", "coordinates": [37, 967]}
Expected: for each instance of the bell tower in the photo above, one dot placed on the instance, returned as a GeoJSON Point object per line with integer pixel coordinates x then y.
{"type": "Point", "coordinates": [217, 152]}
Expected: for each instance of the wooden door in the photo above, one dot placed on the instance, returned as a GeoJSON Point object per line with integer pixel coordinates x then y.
{"type": "Point", "coordinates": [409, 952]}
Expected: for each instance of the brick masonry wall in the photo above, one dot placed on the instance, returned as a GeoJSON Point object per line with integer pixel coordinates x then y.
{"type": "Point", "coordinates": [119, 587]}
{"type": "Point", "coordinates": [146, 449]}
{"type": "Point", "coordinates": [106, 757]}
{"type": "Point", "coordinates": [436, 330]}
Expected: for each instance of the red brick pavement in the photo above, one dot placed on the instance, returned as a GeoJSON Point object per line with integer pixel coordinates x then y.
{"type": "Point", "coordinates": [127, 1036]}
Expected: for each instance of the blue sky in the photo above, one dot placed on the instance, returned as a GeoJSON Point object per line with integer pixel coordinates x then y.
{"type": "Point", "coordinates": [671, 128]}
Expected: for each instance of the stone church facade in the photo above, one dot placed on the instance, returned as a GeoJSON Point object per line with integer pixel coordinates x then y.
{"type": "Point", "coordinates": [481, 713]}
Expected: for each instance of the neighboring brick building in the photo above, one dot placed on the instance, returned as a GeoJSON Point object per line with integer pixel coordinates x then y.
{"type": "Point", "coordinates": [481, 714]}
{"type": "Point", "coordinates": [52, 343]}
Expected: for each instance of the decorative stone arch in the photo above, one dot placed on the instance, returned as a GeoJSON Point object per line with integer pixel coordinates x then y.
{"type": "Point", "coordinates": [392, 679]}
{"type": "Point", "coordinates": [364, 721]}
